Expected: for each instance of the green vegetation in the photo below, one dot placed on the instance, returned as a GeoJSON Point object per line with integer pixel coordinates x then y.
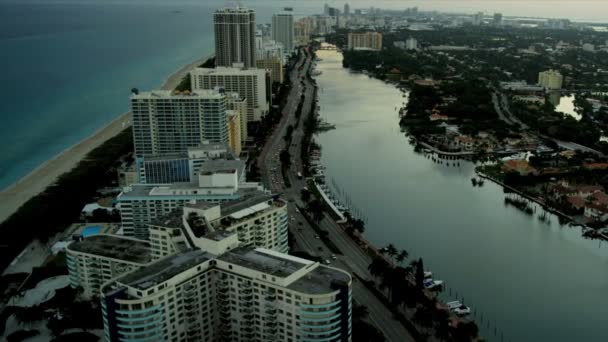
{"type": "Point", "coordinates": [60, 204]}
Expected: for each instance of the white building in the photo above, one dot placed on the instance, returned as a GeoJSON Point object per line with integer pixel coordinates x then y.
{"type": "Point", "coordinates": [411, 44]}
{"type": "Point", "coordinates": [242, 295]}
{"type": "Point", "coordinates": [218, 181]}
{"type": "Point", "coordinates": [100, 258]}
{"type": "Point", "coordinates": [259, 220]}
{"type": "Point", "coordinates": [550, 79]}
{"type": "Point", "coordinates": [251, 84]}
{"type": "Point", "coordinates": [234, 36]}
{"type": "Point", "coordinates": [166, 122]}
{"type": "Point", "coordinates": [283, 30]}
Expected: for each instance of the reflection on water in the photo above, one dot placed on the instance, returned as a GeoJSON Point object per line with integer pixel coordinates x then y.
{"type": "Point", "coordinates": [534, 280]}
{"type": "Point", "coordinates": [565, 104]}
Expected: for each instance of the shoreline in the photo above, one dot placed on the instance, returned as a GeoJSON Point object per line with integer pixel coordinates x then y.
{"type": "Point", "coordinates": [37, 180]}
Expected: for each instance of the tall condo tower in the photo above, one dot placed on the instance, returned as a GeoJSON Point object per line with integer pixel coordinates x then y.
{"type": "Point", "coordinates": [283, 30]}
{"type": "Point", "coordinates": [234, 36]}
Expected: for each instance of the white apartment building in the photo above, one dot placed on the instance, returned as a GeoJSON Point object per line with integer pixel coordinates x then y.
{"type": "Point", "coordinates": [242, 295]}
{"type": "Point", "coordinates": [218, 181]}
{"type": "Point", "coordinates": [251, 84]}
{"type": "Point", "coordinates": [166, 122]}
{"type": "Point", "coordinates": [259, 220]}
{"type": "Point", "coordinates": [550, 79]}
{"type": "Point", "coordinates": [234, 36]}
{"type": "Point", "coordinates": [283, 30]}
{"type": "Point", "coordinates": [97, 259]}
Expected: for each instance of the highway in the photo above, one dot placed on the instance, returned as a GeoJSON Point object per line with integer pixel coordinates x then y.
{"type": "Point", "coordinates": [353, 258]}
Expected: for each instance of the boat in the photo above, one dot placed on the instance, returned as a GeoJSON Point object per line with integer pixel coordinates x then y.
{"type": "Point", "coordinates": [428, 274]}
{"type": "Point", "coordinates": [462, 310]}
{"type": "Point", "coordinates": [454, 304]}
{"type": "Point", "coordinates": [431, 284]}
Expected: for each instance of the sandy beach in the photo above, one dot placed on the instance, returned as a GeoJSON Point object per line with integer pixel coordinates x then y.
{"type": "Point", "coordinates": [40, 178]}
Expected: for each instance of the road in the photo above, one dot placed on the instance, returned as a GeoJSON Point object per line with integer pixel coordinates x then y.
{"type": "Point", "coordinates": [353, 258]}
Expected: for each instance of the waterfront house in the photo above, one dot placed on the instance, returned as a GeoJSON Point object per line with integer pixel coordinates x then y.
{"type": "Point", "coordinates": [521, 166]}
{"type": "Point", "coordinates": [596, 212]}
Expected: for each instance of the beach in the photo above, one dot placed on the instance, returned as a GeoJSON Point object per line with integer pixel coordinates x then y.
{"type": "Point", "coordinates": [40, 178]}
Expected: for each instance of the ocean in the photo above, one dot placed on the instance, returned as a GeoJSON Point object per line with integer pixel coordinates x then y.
{"type": "Point", "coordinates": [69, 65]}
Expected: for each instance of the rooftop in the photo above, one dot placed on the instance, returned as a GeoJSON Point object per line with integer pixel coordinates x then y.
{"type": "Point", "coordinates": [169, 94]}
{"type": "Point", "coordinates": [223, 166]}
{"type": "Point", "coordinates": [178, 189]}
{"type": "Point", "coordinates": [164, 269]}
{"type": "Point", "coordinates": [249, 201]}
{"type": "Point", "coordinates": [115, 247]}
{"type": "Point", "coordinates": [320, 280]}
{"type": "Point", "coordinates": [262, 260]}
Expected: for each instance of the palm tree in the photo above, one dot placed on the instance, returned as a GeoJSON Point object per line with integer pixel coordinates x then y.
{"type": "Point", "coordinates": [359, 225]}
{"type": "Point", "coordinates": [315, 207]}
{"type": "Point", "coordinates": [402, 256]}
{"type": "Point", "coordinates": [391, 250]}
{"type": "Point", "coordinates": [378, 267]}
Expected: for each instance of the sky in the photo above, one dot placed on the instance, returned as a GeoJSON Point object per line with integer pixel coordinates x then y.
{"type": "Point", "coordinates": [583, 10]}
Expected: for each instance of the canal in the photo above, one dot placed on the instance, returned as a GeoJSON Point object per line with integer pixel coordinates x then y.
{"type": "Point", "coordinates": [532, 280]}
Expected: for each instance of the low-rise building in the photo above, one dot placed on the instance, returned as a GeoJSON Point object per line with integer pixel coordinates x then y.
{"type": "Point", "coordinates": [99, 258]}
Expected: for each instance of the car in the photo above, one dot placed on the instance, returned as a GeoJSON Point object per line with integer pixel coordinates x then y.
{"type": "Point", "coordinates": [327, 262]}
{"type": "Point", "coordinates": [293, 218]}
{"type": "Point", "coordinates": [317, 237]}
{"type": "Point", "coordinates": [333, 256]}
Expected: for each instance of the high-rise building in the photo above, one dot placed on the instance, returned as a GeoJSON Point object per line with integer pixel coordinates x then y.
{"type": "Point", "coordinates": [99, 258]}
{"type": "Point", "coordinates": [166, 122]}
{"type": "Point", "coordinates": [216, 181]}
{"type": "Point", "coordinates": [274, 65]}
{"type": "Point", "coordinates": [497, 19]}
{"type": "Point", "coordinates": [257, 220]}
{"type": "Point", "coordinates": [478, 18]}
{"type": "Point", "coordinates": [250, 84]}
{"type": "Point", "coordinates": [326, 9]}
{"type": "Point", "coordinates": [365, 41]}
{"type": "Point", "coordinates": [243, 294]}
{"type": "Point", "coordinates": [283, 30]}
{"type": "Point", "coordinates": [550, 79]}
{"type": "Point", "coordinates": [181, 167]}
{"type": "Point", "coordinates": [234, 130]}
{"type": "Point", "coordinates": [346, 9]}
{"type": "Point", "coordinates": [236, 103]}
{"type": "Point", "coordinates": [234, 36]}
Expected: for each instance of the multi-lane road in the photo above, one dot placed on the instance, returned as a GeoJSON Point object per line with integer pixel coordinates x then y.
{"type": "Point", "coordinates": [352, 259]}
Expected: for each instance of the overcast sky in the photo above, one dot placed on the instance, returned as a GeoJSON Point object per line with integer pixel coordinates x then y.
{"type": "Point", "coordinates": [584, 9]}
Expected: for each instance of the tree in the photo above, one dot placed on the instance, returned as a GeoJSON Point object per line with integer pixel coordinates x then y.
{"type": "Point", "coordinates": [315, 207]}
{"type": "Point", "coordinates": [305, 195]}
{"type": "Point", "coordinates": [420, 274]}
{"type": "Point", "coordinates": [391, 250]}
{"type": "Point", "coordinates": [358, 225]}
{"type": "Point", "coordinates": [285, 159]}
{"type": "Point", "coordinates": [402, 256]}
{"type": "Point", "coordinates": [378, 267]}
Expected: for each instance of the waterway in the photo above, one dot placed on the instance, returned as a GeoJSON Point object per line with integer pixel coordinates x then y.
{"type": "Point", "coordinates": [533, 281]}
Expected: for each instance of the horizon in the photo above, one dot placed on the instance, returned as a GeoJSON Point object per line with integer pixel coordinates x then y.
{"type": "Point", "coordinates": [585, 11]}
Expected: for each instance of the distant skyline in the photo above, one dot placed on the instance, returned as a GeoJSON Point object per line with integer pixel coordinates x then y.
{"type": "Point", "coordinates": [584, 10]}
